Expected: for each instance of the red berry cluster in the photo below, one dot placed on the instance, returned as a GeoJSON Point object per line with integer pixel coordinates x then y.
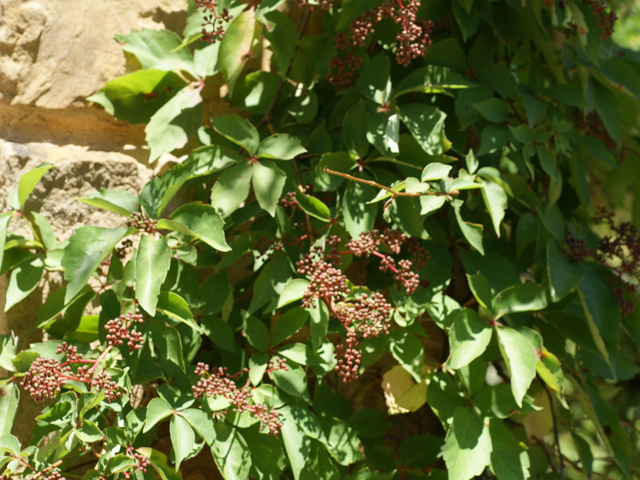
{"type": "Point", "coordinates": [413, 40]}
{"type": "Point", "coordinates": [220, 383]}
{"type": "Point", "coordinates": [214, 19]}
{"type": "Point", "coordinates": [141, 223]}
{"type": "Point", "coordinates": [620, 252]}
{"type": "Point", "coordinates": [364, 317]}
{"type": "Point", "coordinates": [54, 476]}
{"type": "Point", "coordinates": [120, 330]}
{"type": "Point", "coordinates": [46, 376]}
{"type": "Point", "coordinates": [289, 200]}
{"type": "Point", "coordinates": [368, 242]}
{"type": "Point", "coordinates": [605, 19]}
{"type": "Point", "coordinates": [141, 465]}
{"type": "Point", "coordinates": [267, 247]}
{"type": "Point", "coordinates": [326, 281]}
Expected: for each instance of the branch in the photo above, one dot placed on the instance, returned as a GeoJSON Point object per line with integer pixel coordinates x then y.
{"type": "Point", "coordinates": [555, 428]}
{"type": "Point", "coordinates": [392, 192]}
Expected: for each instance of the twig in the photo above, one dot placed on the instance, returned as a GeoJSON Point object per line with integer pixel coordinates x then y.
{"type": "Point", "coordinates": [391, 191]}
{"type": "Point", "coordinates": [272, 105]}
{"type": "Point", "coordinates": [555, 428]}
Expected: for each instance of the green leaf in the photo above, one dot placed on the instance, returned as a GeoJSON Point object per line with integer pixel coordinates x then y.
{"type": "Point", "coordinates": [231, 452]}
{"type": "Point", "coordinates": [426, 124]}
{"type": "Point", "coordinates": [258, 364]}
{"type": "Point", "coordinates": [420, 451]}
{"type": "Point", "coordinates": [8, 348]}
{"type": "Point", "coordinates": [182, 438]}
{"type": "Point", "coordinates": [435, 171]}
{"type": "Point", "coordinates": [270, 282]}
{"type": "Point", "coordinates": [220, 334]}
{"type": "Point", "coordinates": [257, 334]}
{"type": "Point", "coordinates": [116, 201]}
{"type": "Point", "coordinates": [548, 161]}
{"type": "Point", "coordinates": [524, 297]}
{"type": "Point", "coordinates": [564, 274]}
{"type": "Point", "coordinates": [303, 108]}
{"type": "Point", "coordinates": [157, 410]}
{"type": "Point", "coordinates": [241, 42]}
{"type": "Point", "coordinates": [299, 426]}
{"type": "Point", "coordinates": [176, 307]}
{"type": "Point", "coordinates": [287, 324]}
{"type": "Point", "coordinates": [280, 146]}
{"type": "Point", "coordinates": [203, 221]}
{"type": "Point", "coordinates": [29, 180]}
{"type": "Point", "coordinates": [282, 35]}
{"type": "Point", "coordinates": [158, 49]}
{"type": "Point", "coordinates": [469, 337]}
{"type": "Point", "coordinates": [471, 231]}
{"type": "Point", "coordinates": [45, 231]}
{"type": "Point", "coordinates": [359, 215]}
{"type": "Point", "coordinates": [509, 459]}
{"type": "Point", "coordinates": [319, 323]}
{"type": "Point", "coordinates": [24, 279]}
{"type": "Point", "coordinates": [609, 110]}
{"type": "Point", "coordinates": [431, 79]}
{"type": "Point", "coordinates": [174, 123]}
{"type": "Point", "coordinates": [409, 352]}
{"type": "Point", "coordinates": [493, 109]}
{"type": "Point", "coordinates": [292, 381]}
{"type": "Point", "coordinates": [8, 407]}
{"type": "Point", "coordinates": [526, 232]}
{"type": "Point", "coordinates": [9, 443]}
{"type": "Point", "coordinates": [293, 291]}
{"type": "Point", "coordinates": [267, 457]}
{"type": "Point", "coordinates": [495, 199]}
{"type": "Point", "coordinates": [231, 189]}
{"type": "Point", "coordinates": [601, 305]}
{"type": "Point", "coordinates": [72, 313]}
{"type": "Point", "coordinates": [404, 211]}
{"type": "Point", "coordinates": [384, 133]}
{"type": "Point", "coordinates": [354, 130]}
{"type": "Point", "coordinates": [152, 265]}
{"type": "Point", "coordinates": [168, 340]}
{"type": "Point", "coordinates": [5, 218]}
{"type": "Point", "coordinates": [201, 423]}
{"type": "Point", "coordinates": [521, 360]}
{"type": "Point", "coordinates": [160, 464]}
{"type": "Point", "coordinates": [374, 81]}
{"type": "Point", "coordinates": [342, 441]}
{"type": "Point", "coordinates": [268, 181]}
{"type": "Point", "coordinates": [89, 432]}
{"type": "Point", "coordinates": [136, 97]}
{"type": "Point", "coordinates": [239, 131]}
{"type": "Point", "coordinates": [312, 206]}
{"type": "Point", "coordinates": [23, 360]}
{"type": "Point", "coordinates": [467, 448]}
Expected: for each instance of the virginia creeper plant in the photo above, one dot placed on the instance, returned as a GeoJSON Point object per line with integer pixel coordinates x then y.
{"type": "Point", "coordinates": [420, 214]}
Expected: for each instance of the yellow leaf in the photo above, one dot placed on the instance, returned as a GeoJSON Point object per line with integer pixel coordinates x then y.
{"type": "Point", "coordinates": [402, 393]}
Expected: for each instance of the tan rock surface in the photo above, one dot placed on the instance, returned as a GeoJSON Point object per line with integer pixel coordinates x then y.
{"type": "Point", "coordinates": [57, 52]}
{"type": "Point", "coordinates": [77, 171]}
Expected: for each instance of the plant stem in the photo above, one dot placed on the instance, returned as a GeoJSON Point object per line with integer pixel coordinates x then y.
{"type": "Point", "coordinates": [392, 192]}
{"type": "Point", "coordinates": [555, 428]}
{"type": "Point", "coordinates": [100, 358]}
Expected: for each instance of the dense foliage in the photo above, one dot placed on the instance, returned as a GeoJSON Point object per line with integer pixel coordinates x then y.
{"type": "Point", "coordinates": [401, 222]}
